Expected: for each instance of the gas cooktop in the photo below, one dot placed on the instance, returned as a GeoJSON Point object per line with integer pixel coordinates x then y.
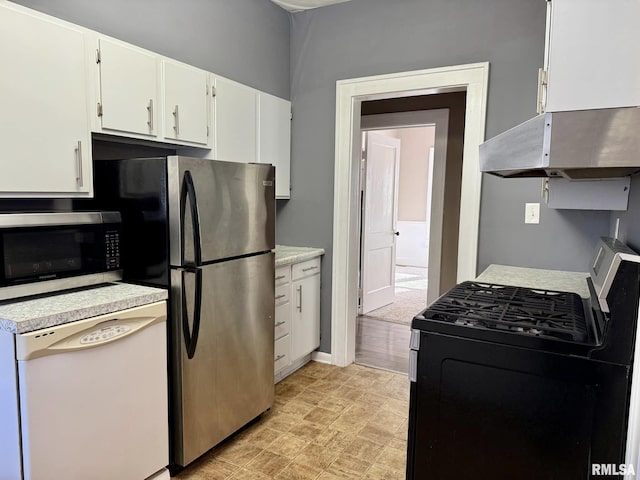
{"type": "Point", "coordinates": [539, 313]}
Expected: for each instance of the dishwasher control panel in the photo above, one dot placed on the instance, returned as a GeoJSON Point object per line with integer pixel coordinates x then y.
{"type": "Point", "coordinates": [104, 333]}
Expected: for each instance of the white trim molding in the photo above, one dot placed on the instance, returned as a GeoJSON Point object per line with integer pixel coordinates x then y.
{"type": "Point", "coordinates": [349, 95]}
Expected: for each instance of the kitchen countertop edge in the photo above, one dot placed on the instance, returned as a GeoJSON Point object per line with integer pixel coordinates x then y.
{"type": "Point", "coordinates": [536, 278]}
{"type": "Point", "coordinates": [286, 255]}
{"type": "Point", "coordinates": [29, 315]}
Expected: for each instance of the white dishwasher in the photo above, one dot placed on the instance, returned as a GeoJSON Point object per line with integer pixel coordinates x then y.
{"type": "Point", "coordinates": [93, 397]}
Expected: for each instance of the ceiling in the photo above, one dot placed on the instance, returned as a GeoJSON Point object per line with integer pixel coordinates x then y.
{"type": "Point", "coordinates": [299, 5]}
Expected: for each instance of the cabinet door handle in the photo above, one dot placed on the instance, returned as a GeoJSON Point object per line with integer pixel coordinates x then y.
{"type": "Point", "coordinates": [176, 120]}
{"type": "Point", "coordinates": [278, 297]}
{"type": "Point", "coordinates": [280, 277]}
{"type": "Point", "coordinates": [80, 176]}
{"type": "Point", "coordinates": [280, 357]}
{"type": "Point", "coordinates": [300, 298]}
{"type": "Point", "coordinates": [279, 324]}
{"type": "Point", "coordinates": [310, 268]}
{"type": "Point", "coordinates": [150, 112]}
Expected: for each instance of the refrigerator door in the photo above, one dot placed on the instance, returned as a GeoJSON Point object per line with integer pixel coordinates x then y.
{"type": "Point", "coordinates": [222, 366]}
{"type": "Point", "coordinates": [219, 210]}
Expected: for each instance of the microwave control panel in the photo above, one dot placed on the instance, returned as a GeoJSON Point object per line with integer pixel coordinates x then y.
{"type": "Point", "coordinates": [112, 243]}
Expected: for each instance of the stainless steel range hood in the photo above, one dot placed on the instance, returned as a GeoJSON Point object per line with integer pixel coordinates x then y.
{"type": "Point", "coordinates": [585, 144]}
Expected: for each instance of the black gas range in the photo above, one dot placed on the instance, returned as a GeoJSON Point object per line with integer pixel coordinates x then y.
{"type": "Point", "coordinates": [511, 382]}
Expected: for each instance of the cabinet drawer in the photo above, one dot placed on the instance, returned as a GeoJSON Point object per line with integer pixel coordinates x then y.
{"type": "Point", "coordinates": [304, 269]}
{"type": "Point", "coordinates": [282, 353]}
{"type": "Point", "coordinates": [283, 320]}
{"type": "Point", "coordinates": [283, 275]}
{"type": "Point", "coordinates": [282, 294]}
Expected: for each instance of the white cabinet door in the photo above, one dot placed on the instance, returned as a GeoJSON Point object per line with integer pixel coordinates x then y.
{"type": "Point", "coordinates": [185, 103]}
{"type": "Point", "coordinates": [274, 138]}
{"type": "Point", "coordinates": [592, 54]}
{"type": "Point", "coordinates": [45, 134]}
{"type": "Point", "coordinates": [234, 121]}
{"type": "Point", "coordinates": [305, 322]}
{"type": "Point", "coordinates": [128, 88]}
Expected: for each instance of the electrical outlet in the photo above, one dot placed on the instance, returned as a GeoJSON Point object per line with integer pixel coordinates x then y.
{"type": "Point", "coordinates": [531, 213]}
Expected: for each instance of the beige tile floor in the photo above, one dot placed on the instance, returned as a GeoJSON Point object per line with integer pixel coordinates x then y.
{"type": "Point", "coordinates": [327, 423]}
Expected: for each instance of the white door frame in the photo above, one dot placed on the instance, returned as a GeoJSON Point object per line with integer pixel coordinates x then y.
{"type": "Point", "coordinates": [349, 96]}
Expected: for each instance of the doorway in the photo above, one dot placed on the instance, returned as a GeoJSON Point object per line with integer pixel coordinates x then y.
{"type": "Point", "coordinates": [422, 138]}
{"type": "Point", "coordinates": [350, 97]}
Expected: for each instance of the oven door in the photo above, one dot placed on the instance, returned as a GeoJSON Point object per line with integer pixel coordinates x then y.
{"type": "Point", "coordinates": [483, 410]}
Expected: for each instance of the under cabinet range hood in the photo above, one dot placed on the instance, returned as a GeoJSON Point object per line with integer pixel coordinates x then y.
{"type": "Point", "coordinates": [576, 145]}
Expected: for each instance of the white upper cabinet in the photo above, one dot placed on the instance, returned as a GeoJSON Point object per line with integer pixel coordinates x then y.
{"type": "Point", "coordinates": [234, 121]}
{"type": "Point", "coordinates": [592, 57]}
{"type": "Point", "coordinates": [274, 138]}
{"type": "Point", "coordinates": [44, 120]}
{"type": "Point", "coordinates": [128, 88]}
{"type": "Point", "coordinates": [186, 100]}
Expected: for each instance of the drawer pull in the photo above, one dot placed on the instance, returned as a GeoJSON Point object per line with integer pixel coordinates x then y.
{"type": "Point", "coordinates": [280, 277]}
{"type": "Point", "coordinates": [278, 297]}
{"type": "Point", "coordinates": [280, 323]}
{"type": "Point", "coordinates": [280, 357]}
{"type": "Point", "coordinates": [310, 268]}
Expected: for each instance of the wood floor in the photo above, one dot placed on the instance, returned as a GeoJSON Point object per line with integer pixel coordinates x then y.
{"type": "Point", "coordinates": [382, 344]}
{"type": "Point", "coordinates": [382, 336]}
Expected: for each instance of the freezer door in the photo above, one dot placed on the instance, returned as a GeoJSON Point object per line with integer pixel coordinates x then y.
{"type": "Point", "coordinates": [219, 210]}
{"type": "Point", "coordinates": [223, 353]}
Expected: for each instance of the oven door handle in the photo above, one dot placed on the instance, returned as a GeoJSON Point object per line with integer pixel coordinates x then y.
{"type": "Point", "coordinates": [191, 335]}
{"type": "Point", "coordinates": [188, 193]}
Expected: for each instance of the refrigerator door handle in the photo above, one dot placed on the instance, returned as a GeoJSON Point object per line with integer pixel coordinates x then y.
{"type": "Point", "coordinates": [191, 335]}
{"type": "Point", "coordinates": [189, 192]}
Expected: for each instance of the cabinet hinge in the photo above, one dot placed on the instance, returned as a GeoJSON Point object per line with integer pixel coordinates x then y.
{"type": "Point", "coordinates": [99, 109]}
{"type": "Point", "coordinates": [207, 90]}
{"type": "Point", "coordinates": [98, 56]}
{"type": "Point", "coordinates": [207, 130]}
{"type": "Point", "coordinates": [213, 91]}
{"type": "Point", "coordinates": [291, 116]}
{"type": "Point", "coordinates": [542, 91]}
{"type": "Point", "coordinates": [359, 296]}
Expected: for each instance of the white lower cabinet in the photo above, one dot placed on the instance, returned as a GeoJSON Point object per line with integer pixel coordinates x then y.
{"type": "Point", "coordinates": [305, 319]}
{"type": "Point", "coordinates": [297, 318]}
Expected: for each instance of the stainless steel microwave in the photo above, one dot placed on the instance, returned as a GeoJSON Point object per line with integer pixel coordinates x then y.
{"type": "Point", "coordinates": [45, 252]}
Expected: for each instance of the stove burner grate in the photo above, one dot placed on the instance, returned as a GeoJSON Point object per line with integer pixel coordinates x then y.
{"type": "Point", "coordinates": [542, 313]}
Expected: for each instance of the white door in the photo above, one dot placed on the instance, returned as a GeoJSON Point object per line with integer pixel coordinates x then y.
{"type": "Point", "coordinates": [128, 88]}
{"type": "Point", "coordinates": [379, 221]}
{"type": "Point", "coordinates": [234, 122]}
{"type": "Point", "coordinates": [46, 146]}
{"type": "Point", "coordinates": [185, 103]}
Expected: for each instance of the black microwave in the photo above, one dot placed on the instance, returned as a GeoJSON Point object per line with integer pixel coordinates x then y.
{"type": "Point", "coordinates": [45, 252]}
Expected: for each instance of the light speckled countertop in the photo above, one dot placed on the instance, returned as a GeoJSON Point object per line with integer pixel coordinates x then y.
{"type": "Point", "coordinates": [537, 278]}
{"type": "Point", "coordinates": [286, 254]}
{"type": "Point", "coordinates": [22, 316]}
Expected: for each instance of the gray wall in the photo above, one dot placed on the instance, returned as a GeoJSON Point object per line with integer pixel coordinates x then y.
{"type": "Point", "coordinates": [630, 220]}
{"type": "Point", "coordinates": [369, 37]}
{"type": "Point", "coordinates": [244, 40]}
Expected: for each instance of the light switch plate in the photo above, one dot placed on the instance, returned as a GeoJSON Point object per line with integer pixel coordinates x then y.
{"type": "Point", "coordinates": [532, 213]}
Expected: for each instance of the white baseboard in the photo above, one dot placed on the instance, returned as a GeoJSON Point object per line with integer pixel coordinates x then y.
{"type": "Point", "coordinates": [321, 357]}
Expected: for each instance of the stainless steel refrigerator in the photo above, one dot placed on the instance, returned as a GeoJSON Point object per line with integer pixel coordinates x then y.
{"type": "Point", "coordinates": [205, 230]}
